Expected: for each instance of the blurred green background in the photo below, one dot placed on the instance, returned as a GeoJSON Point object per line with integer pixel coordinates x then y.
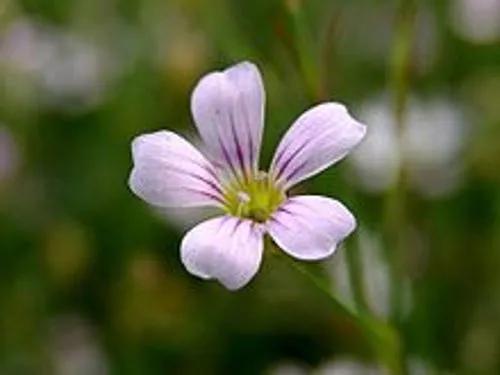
{"type": "Point", "coordinates": [90, 276]}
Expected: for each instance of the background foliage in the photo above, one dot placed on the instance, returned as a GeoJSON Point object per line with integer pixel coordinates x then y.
{"type": "Point", "coordinates": [90, 277]}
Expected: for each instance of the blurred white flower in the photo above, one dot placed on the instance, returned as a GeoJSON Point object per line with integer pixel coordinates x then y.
{"type": "Point", "coordinates": [429, 148]}
{"type": "Point", "coordinates": [375, 272]}
{"type": "Point", "coordinates": [288, 368]}
{"type": "Point", "coordinates": [340, 366]}
{"type": "Point", "coordinates": [417, 366]}
{"type": "Point", "coordinates": [375, 276]}
{"type": "Point", "coordinates": [338, 268]}
{"type": "Point", "coordinates": [476, 20]}
{"type": "Point", "coordinates": [376, 161]}
{"type": "Point", "coordinates": [347, 366]}
{"type": "Point", "coordinates": [433, 140]}
{"type": "Point", "coordinates": [75, 349]}
{"type": "Point", "coordinates": [67, 68]}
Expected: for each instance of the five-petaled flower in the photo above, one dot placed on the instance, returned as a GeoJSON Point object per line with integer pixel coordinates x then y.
{"type": "Point", "coordinates": [228, 110]}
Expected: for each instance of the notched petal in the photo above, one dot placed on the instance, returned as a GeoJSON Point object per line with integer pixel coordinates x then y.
{"type": "Point", "coordinates": [228, 110]}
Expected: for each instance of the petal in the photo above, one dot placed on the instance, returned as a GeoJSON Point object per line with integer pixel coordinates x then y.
{"type": "Point", "coordinates": [320, 137]}
{"type": "Point", "coordinates": [310, 227]}
{"type": "Point", "coordinates": [228, 109]}
{"type": "Point", "coordinates": [226, 248]}
{"type": "Point", "coordinates": [168, 171]}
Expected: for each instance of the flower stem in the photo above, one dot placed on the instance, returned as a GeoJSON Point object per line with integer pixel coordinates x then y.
{"type": "Point", "coordinates": [306, 49]}
{"type": "Point", "coordinates": [401, 58]}
{"type": "Point", "coordinates": [395, 203]}
{"type": "Point", "coordinates": [382, 337]}
{"type": "Point", "coordinates": [395, 221]}
{"type": "Point", "coordinates": [356, 280]}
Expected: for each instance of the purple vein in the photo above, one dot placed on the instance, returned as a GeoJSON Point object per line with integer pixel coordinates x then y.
{"type": "Point", "coordinates": [227, 158]}
{"type": "Point", "coordinates": [238, 223]}
{"type": "Point", "coordinates": [223, 220]}
{"type": "Point", "coordinates": [299, 134]}
{"type": "Point", "coordinates": [279, 222]}
{"type": "Point", "coordinates": [198, 163]}
{"type": "Point", "coordinates": [285, 210]}
{"type": "Point", "coordinates": [292, 156]}
{"type": "Point", "coordinates": [196, 176]}
{"type": "Point", "coordinates": [204, 193]}
{"type": "Point", "coordinates": [244, 110]}
{"type": "Point", "coordinates": [295, 171]}
{"type": "Point", "coordinates": [239, 151]}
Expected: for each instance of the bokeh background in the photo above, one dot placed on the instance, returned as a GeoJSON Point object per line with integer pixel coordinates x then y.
{"type": "Point", "coordinates": [90, 276]}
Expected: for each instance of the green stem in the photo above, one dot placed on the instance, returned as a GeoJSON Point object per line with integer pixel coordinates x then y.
{"type": "Point", "coordinates": [382, 337]}
{"type": "Point", "coordinates": [356, 280]}
{"type": "Point", "coordinates": [395, 221]}
{"type": "Point", "coordinates": [304, 42]}
{"type": "Point", "coordinates": [319, 284]}
{"type": "Point", "coordinates": [401, 58]}
{"type": "Point", "coordinates": [395, 204]}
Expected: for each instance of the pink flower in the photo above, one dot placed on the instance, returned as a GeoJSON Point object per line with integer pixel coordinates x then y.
{"type": "Point", "coordinates": [228, 110]}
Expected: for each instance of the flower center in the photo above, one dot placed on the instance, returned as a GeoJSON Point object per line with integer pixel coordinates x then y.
{"type": "Point", "coordinates": [256, 199]}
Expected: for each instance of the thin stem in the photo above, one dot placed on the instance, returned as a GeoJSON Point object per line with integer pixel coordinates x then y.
{"type": "Point", "coordinates": [319, 284]}
{"type": "Point", "coordinates": [395, 204]}
{"type": "Point", "coordinates": [327, 49]}
{"type": "Point", "coordinates": [382, 337]}
{"type": "Point", "coordinates": [395, 222]}
{"type": "Point", "coordinates": [307, 55]}
{"type": "Point", "coordinates": [356, 276]}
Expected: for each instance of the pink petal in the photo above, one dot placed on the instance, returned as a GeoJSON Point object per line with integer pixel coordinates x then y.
{"type": "Point", "coordinates": [168, 171]}
{"type": "Point", "coordinates": [310, 227]}
{"type": "Point", "coordinates": [226, 248]}
{"type": "Point", "coordinates": [320, 137]}
{"type": "Point", "coordinates": [228, 109]}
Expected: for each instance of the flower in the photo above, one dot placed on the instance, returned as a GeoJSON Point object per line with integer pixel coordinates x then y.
{"type": "Point", "coordinates": [228, 110]}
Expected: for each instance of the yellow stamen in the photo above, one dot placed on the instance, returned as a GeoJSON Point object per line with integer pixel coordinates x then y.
{"type": "Point", "coordinates": [257, 199]}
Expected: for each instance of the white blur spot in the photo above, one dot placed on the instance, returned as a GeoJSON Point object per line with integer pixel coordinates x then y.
{"type": "Point", "coordinates": [375, 273]}
{"type": "Point", "coordinates": [429, 146]}
{"type": "Point", "coordinates": [417, 366]}
{"type": "Point", "coordinates": [476, 20]}
{"type": "Point", "coordinates": [68, 68]}
{"type": "Point", "coordinates": [376, 161]}
{"type": "Point", "coordinates": [348, 366]}
{"type": "Point", "coordinates": [287, 368]}
{"type": "Point", "coordinates": [338, 268]}
{"type": "Point", "coordinates": [432, 143]}
{"type": "Point", "coordinates": [75, 349]}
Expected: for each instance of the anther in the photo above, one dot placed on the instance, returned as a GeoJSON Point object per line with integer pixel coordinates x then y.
{"type": "Point", "coordinates": [243, 197]}
{"type": "Point", "coordinates": [260, 176]}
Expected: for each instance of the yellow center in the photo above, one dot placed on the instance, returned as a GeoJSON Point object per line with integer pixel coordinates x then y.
{"type": "Point", "coordinates": [256, 199]}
